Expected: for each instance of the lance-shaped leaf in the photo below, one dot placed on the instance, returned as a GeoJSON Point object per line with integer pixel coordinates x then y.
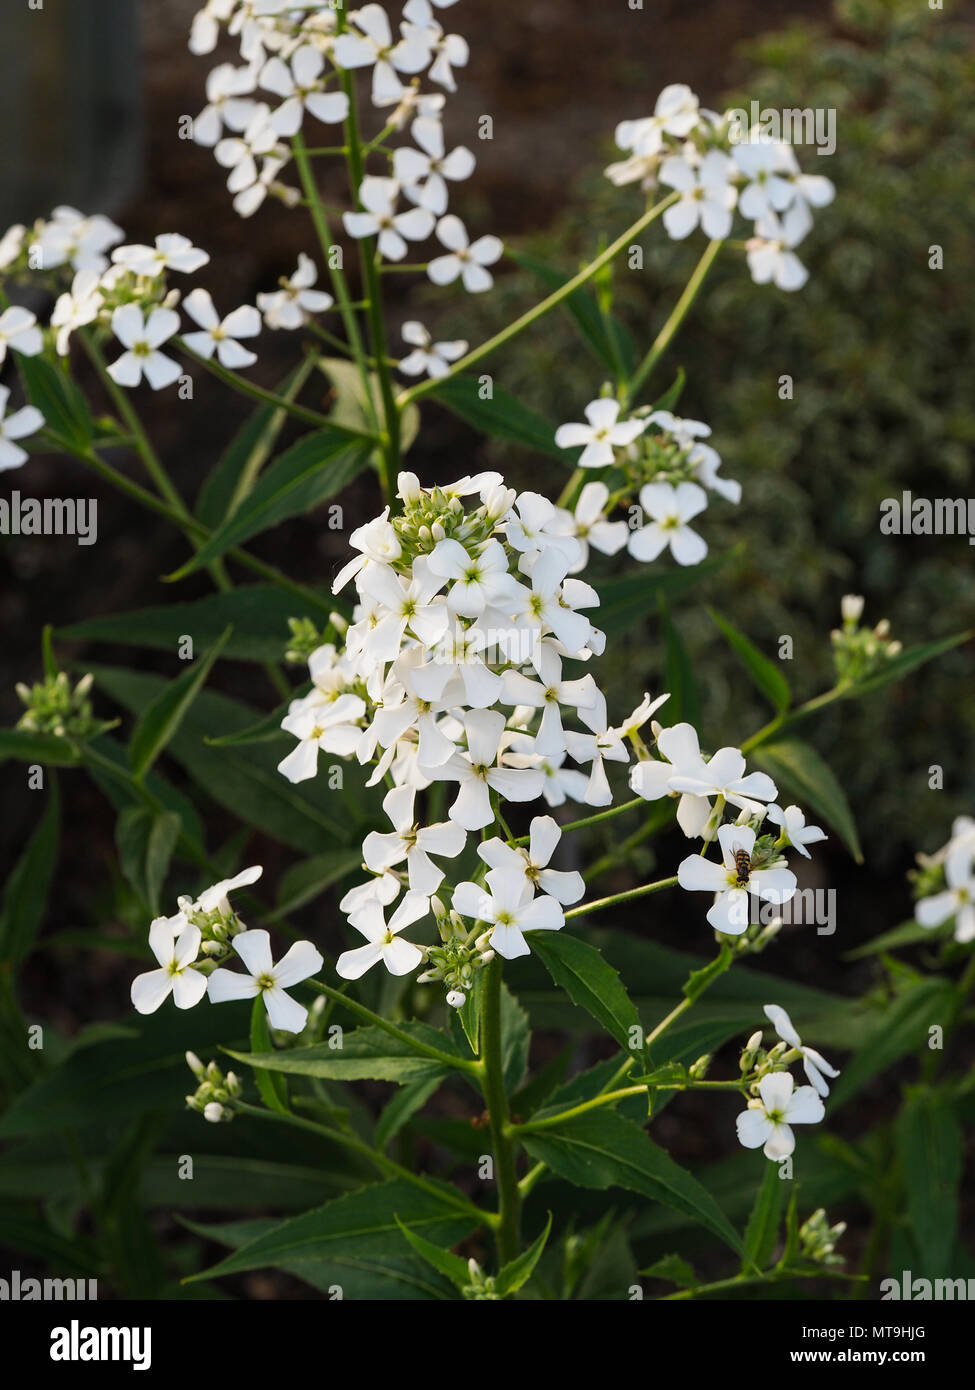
{"type": "Point", "coordinates": [799, 771]}
{"type": "Point", "coordinates": [59, 400]}
{"type": "Point", "coordinates": [590, 981]}
{"type": "Point", "coordinates": [930, 1147]}
{"type": "Point", "coordinates": [26, 890]}
{"type": "Point", "coordinates": [500, 415]}
{"type": "Point", "coordinates": [369, 1053]}
{"type": "Point", "coordinates": [517, 1272]}
{"type": "Point", "coordinates": [762, 1232]}
{"type": "Point", "coordinates": [164, 716]}
{"type": "Point", "coordinates": [602, 1149]}
{"type": "Point", "coordinates": [145, 839]}
{"type": "Point", "coordinates": [766, 676]}
{"type": "Point", "coordinates": [36, 748]}
{"type": "Point", "coordinates": [314, 469]}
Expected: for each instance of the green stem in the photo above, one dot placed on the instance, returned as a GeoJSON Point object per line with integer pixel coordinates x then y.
{"type": "Point", "coordinates": [507, 1232]}
{"type": "Point", "coordinates": [611, 1098]}
{"type": "Point", "coordinates": [387, 1166]}
{"type": "Point", "coordinates": [445, 1059]}
{"type": "Point", "coordinates": [674, 321]}
{"type": "Point", "coordinates": [423, 388]}
{"type": "Point", "coordinates": [598, 904]}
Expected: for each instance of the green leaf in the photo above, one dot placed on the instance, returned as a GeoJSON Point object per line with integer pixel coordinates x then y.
{"type": "Point", "coordinates": [502, 416]}
{"type": "Point", "coordinates": [233, 476]}
{"type": "Point", "coordinates": [258, 614]}
{"type": "Point", "coordinates": [59, 400]}
{"type": "Point", "coordinates": [314, 469]}
{"type": "Point", "coordinates": [589, 981]}
{"type": "Point", "coordinates": [272, 1086]}
{"type": "Point", "coordinates": [366, 1053]}
{"type": "Point", "coordinates": [583, 306]}
{"type": "Point", "coordinates": [410, 1098]}
{"type": "Point", "coordinates": [907, 934]}
{"type": "Point", "coordinates": [799, 769]}
{"type": "Point", "coordinates": [36, 748]}
{"type": "Point", "coordinates": [762, 1232]}
{"type": "Point", "coordinates": [602, 1149]}
{"type": "Point", "coordinates": [247, 782]}
{"type": "Point", "coordinates": [899, 666]}
{"type": "Point", "coordinates": [28, 885]}
{"type": "Point", "coordinates": [159, 723]}
{"type": "Point", "coordinates": [766, 676]}
{"type": "Point", "coordinates": [451, 1266]}
{"type": "Point", "coordinates": [515, 1040]}
{"type": "Point", "coordinates": [930, 1147]}
{"type": "Point", "coordinates": [355, 1242]}
{"type": "Point", "coordinates": [898, 1028]}
{"type": "Point", "coordinates": [145, 839]}
{"type": "Point", "coordinates": [349, 404]}
{"type": "Point", "coordinates": [517, 1272]}
{"type": "Point", "coordinates": [672, 1268]}
{"type": "Point", "coordinates": [699, 980]}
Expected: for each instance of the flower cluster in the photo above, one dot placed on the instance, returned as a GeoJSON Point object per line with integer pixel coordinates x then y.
{"type": "Point", "coordinates": [191, 946]}
{"type": "Point", "coordinates": [946, 883]}
{"type": "Point", "coordinates": [453, 673]}
{"type": "Point", "coordinates": [298, 61]}
{"type": "Point", "coordinates": [715, 169]}
{"type": "Point", "coordinates": [661, 471]}
{"type": "Point", "coordinates": [215, 1092]}
{"type": "Point", "coordinates": [776, 1104]}
{"type": "Point", "coordinates": [860, 652]}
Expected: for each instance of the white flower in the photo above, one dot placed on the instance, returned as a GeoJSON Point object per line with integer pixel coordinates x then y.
{"type": "Point", "coordinates": [360, 903]}
{"type": "Point", "coordinates": [706, 461]}
{"type": "Point", "coordinates": [456, 662]}
{"type": "Point", "coordinates": [957, 900]}
{"type": "Point", "coordinates": [428, 356]}
{"type": "Point", "coordinates": [706, 195]}
{"type": "Point", "coordinates": [548, 694]}
{"type": "Point", "coordinates": [479, 772]}
{"type": "Point", "coordinates": [551, 605]}
{"type": "Point", "coordinates": [448, 50]}
{"type": "Point", "coordinates": [267, 979]}
{"type": "Point", "coordinates": [171, 252]}
{"type": "Point", "coordinates": [676, 113]}
{"type": "Point", "coordinates": [379, 544]}
{"type": "Point", "coordinates": [240, 154]}
{"type": "Point", "coordinates": [176, 976]}
{"type": "Point", "coordinates": [724, 775]}
{"type": "Point", "coordinates": [479, 581]}
{"type": "Point", "coordinates": [604, 433]}
{"type": "Point", "coordinates": [544, 836]}
{"type": "Point", "coordinates": [143, 338]}
{"type": "Point", "coordinates": [413, 843]}
{"type": "Point", "coordinates": [465, 259]}
{"type": "Point", "coordinates": [589, 526]}
{"type": "Point", "coordinates": [290, 306]}
{"type": "Point", "coordinates": [329, 725]}
{"type": "Point", "coordinates": [767, 1121]}
{"type": "Point", "coordinates": [767, 190]}
{"type": "Point", "coordinates": [303, 89]}
{"type": "Point", "coordinates": [372, 46]}
{"type": "Point", "coordinates": [509, 907]}
{"type": "Point", "coordinates": [670, 509]}
{"type": "Point", "coordinates": [76, 307]}
{"type": "Point", "coordinates": [423, 172]}
{"type": "Point", "coordinates": [813, 1062]}
{"type": "Point", "coordinates": [11, 244]}
{"type": "Point", "coordinates": [19, 330]}
{"type": "Point", "coordinates": [652, 779]}
{"type": "Point", "coordinates": [797, 832]}
{"type": "Point", "coordinates": [734, 879]}
{"type": "Point", "coordinates": [216, 899]}
{"type": "Point", "coordinates": [399, 957]}
{"type": "Point", "coordinates": [205, 27]}
{"type": "Point", "coordinates": [227, 88]}
{"type": "Point", "coordinates": [407, 605]}
{"type": "Point", "coordinates": [602, 745]}
{"type": "Point", "coordinates": [26, 421]}
{"type": "Point", "coordinates": [81, 241]}
{"type": "Point", "coordinates": [770, 253]}
{"type": "Point", "coordinates": [220, 335]}
{"type": "Point", "coordinates": [533, 524]}
{"type": "Point", "coordinates": [394, 229]}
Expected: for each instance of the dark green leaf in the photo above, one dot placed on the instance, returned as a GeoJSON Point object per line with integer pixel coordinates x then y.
{"type": "Point", "coordinates": [502, 416]}
{"type": "Point", "coordinates": [766, 676]}
{"type": "Point", "coordinates": [146, 839]}
{"type": "Point", "coordinates": [55, 395]}
{"type": "Point", "coordinates": [762, 1233]}
{"type": "Point", "coordinates": [930, 1147]}
{"type": "Point", "coordinates": [898, 1028]}
{"type": "Point", "coordinates": [159, 723]}
{"type": "Point", "coordinates": [364, 1053]}
{"type": "Point", "coordinates": [517, 1272]}
{"type": "Point", "coordinates": [314, 469]}
{"type": "Point", "coordinates": [800, 771]}
{"type": "Point", "coordinates": [451, 1266]}
{"type": "Point", "coordinates": [590, 981]}
{"type": "Point", "coordinates": [679, 679]}
{"type": "Point", "coordinates": [36, 748]}
{"type": "Point", "coordinates": [26, 889]}
{"type": "Point", "coordinates": [584, 309]}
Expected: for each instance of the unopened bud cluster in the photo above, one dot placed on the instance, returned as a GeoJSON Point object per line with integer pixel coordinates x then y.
{"type": "Point", "coordinates": [54, 707]}
{"type": "Point", "coordinates": [481, 1288]}
{"type": "Point", "coordinates": [817, 1239]}
{"type": "Point", "coordinates": [860, 652]}
{"type": "Point", "coordinates": [215, 1094]}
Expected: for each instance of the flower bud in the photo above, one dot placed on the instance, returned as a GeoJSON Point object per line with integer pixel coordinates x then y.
{"type": "Point", "coordinates": [456, 999]}
{"type": "Point", "coordinates": [851, 607]}
{"type": "Point", "coordinates": [408, 488]}
{"type": "Point", "coordinates": [195, 1065]}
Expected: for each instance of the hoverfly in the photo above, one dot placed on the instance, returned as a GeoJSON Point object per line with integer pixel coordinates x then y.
{"type": "Point", "coordinates": [743, 866]}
